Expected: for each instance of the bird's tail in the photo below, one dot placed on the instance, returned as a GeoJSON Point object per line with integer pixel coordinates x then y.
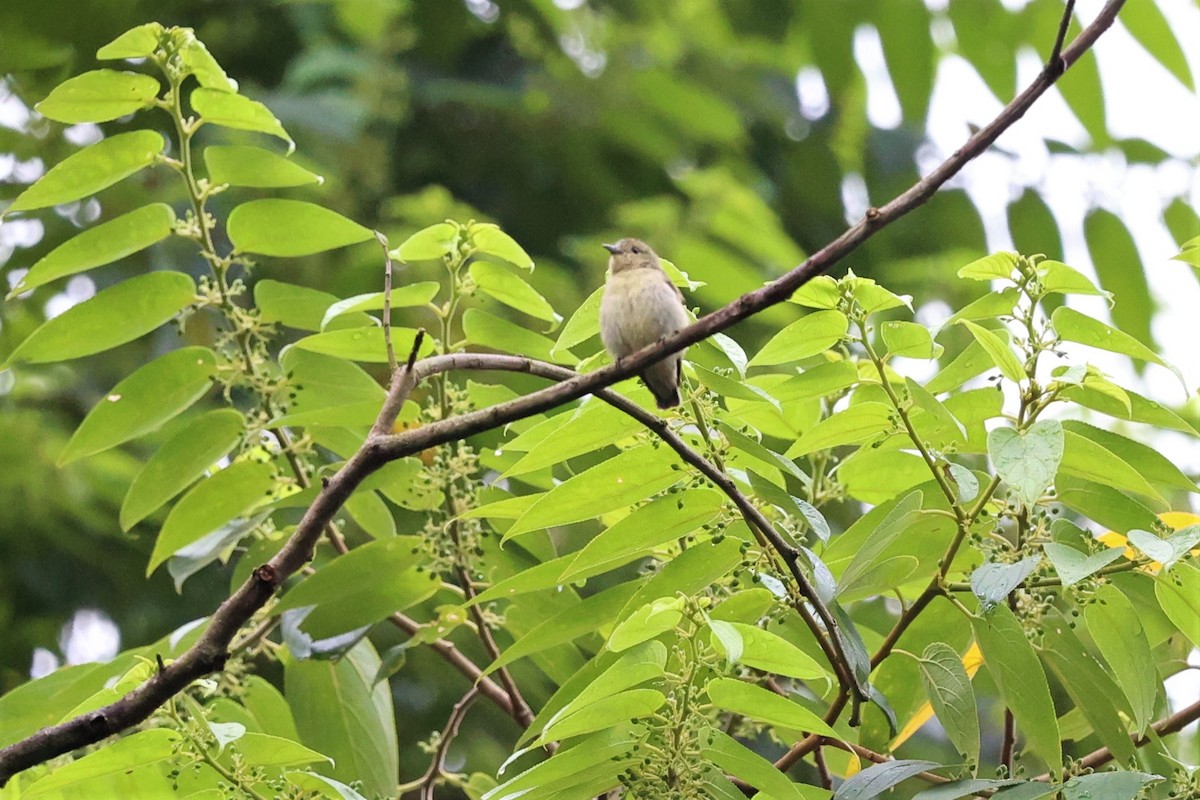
{"type": "Point", "coordinates": [662, 379]}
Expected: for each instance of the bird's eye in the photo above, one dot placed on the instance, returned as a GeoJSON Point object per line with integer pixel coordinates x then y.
{"type": "Point", "coordinates": [635, 250]}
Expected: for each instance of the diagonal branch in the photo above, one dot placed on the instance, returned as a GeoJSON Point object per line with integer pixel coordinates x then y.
{"type": "Point", "coordinates": [209, 652]}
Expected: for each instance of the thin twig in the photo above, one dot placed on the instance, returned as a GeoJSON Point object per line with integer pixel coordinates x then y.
{"type": "Point", "coordinates": [1055, 63]}
{"type": "Point", "coordinates": [401, 386]}
{"type": "Point", "coordinates": [209, 652]}
{"type": "Point", "coordinates": [822, 768]}
{"type": "Point", "coordinates": [437, 766]}
{"type": "Point", "coordinates": [387, 302]}
{"type": "Point", "coordinates": [878, 758]}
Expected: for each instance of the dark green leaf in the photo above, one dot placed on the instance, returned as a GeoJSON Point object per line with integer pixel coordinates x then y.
{"type": "Point", "coordinates": [1022, 683]}
{"type": "Point", "coordinates": [1178, 593]}
{"type": "Point", "coordinates": [1114, 625]}
{"type": "Point", "coordinates": [878, 778]}
{"type": "Point", "coordinates": [1119, 785]}
{"type": "Point", "coordinates": [740, 761]}
{"type": "Point", "coordinates": [1120, 270]}
{"type": "Point", "coordinates": [340, 713]}
{"type": "Point", "coordinates": [953, 699]}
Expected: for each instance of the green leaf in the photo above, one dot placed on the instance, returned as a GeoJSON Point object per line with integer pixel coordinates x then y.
{"type": "Point", "coordinates": [593, 426]}
{"type": "Point", "coordinates": [433, 242]}
{"type": "Point", "coordinates": [229, 110]}
{"type": "Point", "coordinates": [153, 394]}
{"type": "Point", "coordinates": [276, 227]}
{"type": "Point", "coordinates": [136, 42]}
{"type": "Point", "coordinates": [1094, 693]}
{"type": "Point", "coordinates": [993, 582]}
{"type": "Point", "coordinates": [116, 315]}
{"type": "Point", "coordinates": [1027, 460]}
{"type": "Point", "coordinates": [1118, 785]}
{"type": "Point", "coordinates": [990, 306]}
{"type": "Point", "coordinates": [965, 482]}
{"type": "Point", "coordinates": [821, 292]}
{"type": "Point", "coordinates": [578, 619]}
{"type": "Point", "coordinates": [769, 652]}
{"type": "Point", "coordinates": [972, 361]}
{"type": "Point", "coordinates": [622, 480]}
{"type": "Point", "coordinates": [264, 750]}
{"type": "Point", "coordinates": [1147, 462]}
{"type": "Point", "coordinates": [1056, 276]}
{"type": "Point", "coordinates": [91, 169]}
{"type": "Point", "coordinates": [605, 748]}
{"type": "Point", "coordinates": [362, 587]}
{"type": "Point", "coordinates": [582, 325]}
{"type": "Point", "coordinates": [735, 758]}
{"type": "Point", "coordinates": [300, 307]}
{"type": "Point", "coordinates": [1073, 566]}
{"type": "Point", "coordinates": [327, 787]}
{"type": "Point", "coordinates": [206, 69]}
{"type": "Point", "coordinates": [662, 520]}
{"type": "Point", "coordinates": [497, 282]}
{"type": "Point", "coordinates": [1103, 504]}
{"type": "Point", "coordinates": [110, 241]}
{"type": "Point", "coordinates": [182, 459]}
{"type": "Point", "coordinates": [126, 754]}
{"type": "Point", "coordinates": [1178, 593]}
{"type": "Point", "coordinates": [230, 493]}
{"type": "Point", "coordinates": [1118, 266]}
{"type": "Point", "coordinates": [413, 295]}
{"type": "Point", "coordinates": [99, 96]}
{"type": "Point", "coordinates": [854, 425]}
{"type": "Point", "coordinates": [340, 712]}
{"type": "Point", "coordinates": [646, 622]}
{"type": "Point", "coordinates": [246, 165]}
{"type": "Point", "coordinates": [953, 699]}
{"type": "Point", "coordinates": [1145, 21]}
{"type": "Point", "coordinates": [1022, 683]}
{"type": "Point", "coordinates": [488, 240]}
{"type": "Point", "coordinates": [997, 266]}
{"type": "Point", "coordinates": [812, 334]}
{"type": "Point", "coordinates": [1077, 327]}
{"type": "Point", "coordinates": [763, 705]}
{"type": "Point", "coordinates": [644, 662]}
{"type": "Point", "coordinates": [364, 344]}
{"type": "Point", "coordinates": [1087, 459]}
{"type": "Point", "coordinates": [819, 381]}
{"type": "Point", "coordinates": [878, 778]}
{"type": "Point", "coordinates": [908, 339]}
{"type": "Point", "coordinates": [604, 713]}
{"type": "Point", "coordinates": [969, 787]}
{"type": "Point", "coordinates": [497, 333]}
{"type": "Point", "coordinates": [735, 387]}
{"type": "Point", "coordinates": [1140, 409]}
{"type": "Point", "coordinates": [998, 350]}
{"type": "Point", "coordinates": [1115, 628]}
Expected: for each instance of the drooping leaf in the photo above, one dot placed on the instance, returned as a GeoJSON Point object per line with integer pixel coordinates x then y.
{"type": "Point", "coordinates": [1178, 593]}
{"type": "Point", "coordinates": [1117, 631]}
{"type": "Point", "coordinates": [340, 712]}
{"type": "Point", "coordinates": [998, 349]}
{"type": "Point", "coordinates": [763, 705]}
{"type": "Point", "coordinates": [151, 395]}
{"type": "Point", "coordinates": [229, 110]}
{"type": "Point", "coordinates": [740, 761]}
{"type": "Point", "coordinates": [953, 699]}
{"type": "Point", "coordinates": [116, 315]}
{"type": "Point", "coordinates": [1018, 674]}
{"type": "Point", "coordinates": [878, 778]}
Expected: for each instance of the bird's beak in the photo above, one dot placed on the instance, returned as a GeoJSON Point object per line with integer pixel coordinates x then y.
{"type": "Point", "coordinates": [612, 248]}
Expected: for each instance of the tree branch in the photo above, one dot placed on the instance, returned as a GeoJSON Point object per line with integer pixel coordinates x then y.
{"type": "Point", "coordinates": [209, 652]}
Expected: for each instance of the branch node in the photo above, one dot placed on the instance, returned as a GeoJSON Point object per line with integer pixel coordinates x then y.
{"type": "Point", "coordinates": [267, 574]}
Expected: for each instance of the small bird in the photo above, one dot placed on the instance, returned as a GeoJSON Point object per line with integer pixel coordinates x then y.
{"type": "Point", "coordinates": [639, 307]}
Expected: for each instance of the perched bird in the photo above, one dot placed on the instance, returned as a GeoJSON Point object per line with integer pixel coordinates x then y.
{"type": "Point", "coordinates": [639, 307]}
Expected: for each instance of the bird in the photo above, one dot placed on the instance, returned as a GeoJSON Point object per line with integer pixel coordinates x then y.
{"type": "Point", "coordinates": [640, 306]}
